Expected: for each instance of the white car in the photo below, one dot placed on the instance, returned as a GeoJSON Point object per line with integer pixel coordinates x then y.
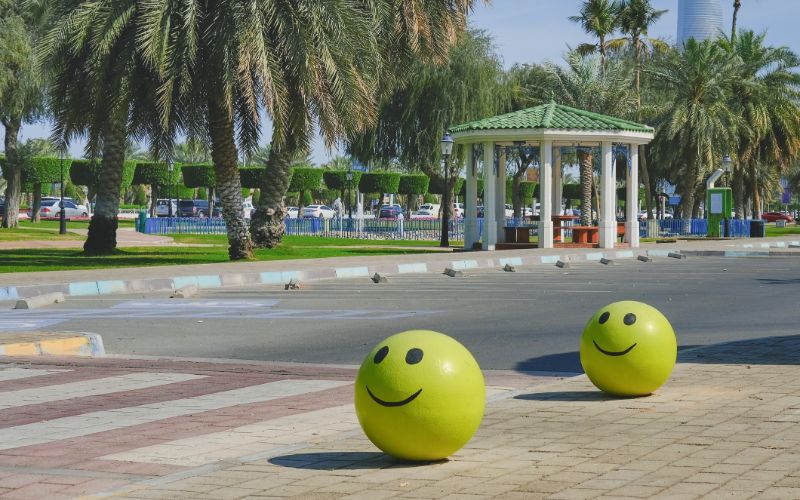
{"type": "Point", "coordinates": [162, 208]}
{"type": "Point", "coordinates": [318, 211]}
{"type": "Point", "coordinates": [248, 209]}
{"type": "Point", "coordinates": [51, 209]}
{"type": "Point", "coordinates": [458, 210]}
{"type": "Point", "coordinates": [291, 212]}
{"type": "Point", "coordinates": [428, 210]}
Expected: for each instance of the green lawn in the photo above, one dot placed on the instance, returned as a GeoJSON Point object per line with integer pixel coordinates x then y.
{"type": "Point", "coordinates": [307, 241]}
{"type": "Point", "coordinates": [771, 230]}
{"type": "Point", "coordinates": [28, 260]}
{"type": "Point", "coordinates": [28, 231]}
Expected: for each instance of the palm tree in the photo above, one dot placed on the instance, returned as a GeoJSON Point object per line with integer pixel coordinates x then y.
{"type": "Point", "coordinates": [737, 4]}
{"type": "Point", "coordinates": [601, 19]}
{"type": "Point", "coordinates": [99, 86]}
{"type": "Point", "coordinates": [696, 124]}
{"type": "Point", "coordinates": [635, 19]}
{"type": "Point", "coordinates": [337, 81]}
{"type": "Point", "coordinates": [586, 84]}
{"type": "Point", "coordinates": [20, 90]}
{"type": "Point", "coordinates": [766, 95]}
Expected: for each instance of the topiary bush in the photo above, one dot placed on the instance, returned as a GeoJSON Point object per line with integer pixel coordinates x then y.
{"type": "Point", "coordinates": [379, 182]}
{"type": "Point", "coordinates": [156, 174]}
{"type": "Point", "coordinates": [412, 184]}
{"type": "Point", "coordinates": [463, 190]}
{"type": "Point", "coordinates": [306, 179]}
{"type": "Point", "coordinates": [250, 177]}
{"type": "Point", "coordinates": [199, 175]}
{"type": "Point", "coordinates": [436, 185]}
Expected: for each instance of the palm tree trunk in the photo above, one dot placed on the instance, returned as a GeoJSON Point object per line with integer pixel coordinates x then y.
{"type": "Point", "coordinates": [738, 192]}
{"type": "Point", "coordinates": [737, 4]}
{"type": "Point", "coordinates": [12, 173]}
{"type": "Point", "coordinates": [229, 186]}
{"type": "Point", "coordinates": [648, 191]}
{"type": "Point", "coordinates": [268, 223]}
{"type": "Point", "coordinates": [585, 159]}
{"type": "Point", "coordinates": [102, 237]}
{"type": "Point", "coordinates": [756, 190]}
{"type": "Point", "coordinates": [516, 194]}
{"type": "Point", "coordinates": [37, 203]}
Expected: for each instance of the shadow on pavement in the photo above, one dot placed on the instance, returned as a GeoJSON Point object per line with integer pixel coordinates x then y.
{"type": "Point", "coordinates": [344, 460]}
{"type": "Point", "coordinates": [568, 396]}
{"type": "Point", "coordinates": [765, 351]}
{"type": "Point", "coordinates": [567, 362]}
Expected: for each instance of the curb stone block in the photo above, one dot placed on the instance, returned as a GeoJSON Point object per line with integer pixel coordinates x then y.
{"type": "Point", "coordinates": [40, 300]}
{"type": "Point", "coordinates": [453, 273]}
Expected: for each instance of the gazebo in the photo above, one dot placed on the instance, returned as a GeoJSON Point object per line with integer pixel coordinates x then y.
{"type": "Point", "coordinates": [552, 127]}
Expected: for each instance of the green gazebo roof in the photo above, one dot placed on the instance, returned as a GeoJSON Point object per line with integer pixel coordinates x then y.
{"type": "Point", "coordinates": [553, 116]}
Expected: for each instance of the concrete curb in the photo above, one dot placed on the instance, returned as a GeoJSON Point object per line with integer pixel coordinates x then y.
{"type": "Point", "coordinates": [52, 344]}
{"type": "Point", "coordinates": [467, 261]}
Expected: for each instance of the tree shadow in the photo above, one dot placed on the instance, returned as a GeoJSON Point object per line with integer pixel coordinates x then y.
{"type": "Point", "coordinates": [568, 363]}
{"type": "Point", "coordinates": [784, 350]}
{"type": "Point", "coordinates": [596, 395]}
{"type": "Point", "coordinates": [346, 460]}
{"type": "Point", "coordinates": [776, 281]}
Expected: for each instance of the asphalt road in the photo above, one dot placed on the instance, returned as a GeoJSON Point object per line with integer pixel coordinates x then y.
{"type": "Point", "coordinates": [530, 320]}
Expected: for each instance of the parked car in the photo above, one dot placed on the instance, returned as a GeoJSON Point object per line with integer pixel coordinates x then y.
{"type": "Point", "coordinates": [292, 212]}
{"type": "Point", "coordinates": [458, 210]}
{"type": "Point", "coordinates": [428, 210]}
{"type": "Point", "coordinates": [196, 208]}
{"type": "Point", "coordinates": [248, 210]}
{"type": "Point", "coordinates": [51, 208]}
{"type": "Point", "coordinates": [318, 211]}
{"type": "Point", "coordinates": [776, 216]}
{"type": "Point", "coordinates": [390, 211]}
{"type": "Point", "coordinates": [163, 207]}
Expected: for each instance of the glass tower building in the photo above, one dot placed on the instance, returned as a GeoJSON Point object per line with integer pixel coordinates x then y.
{"type": "Point", "coordinates": [699, 19]}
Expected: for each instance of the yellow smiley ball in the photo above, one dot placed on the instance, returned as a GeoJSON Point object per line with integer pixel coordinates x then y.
{"type": "Point", "coordinates": [628, 349]}
{"type": "Point", "coordinates": [420, 395]}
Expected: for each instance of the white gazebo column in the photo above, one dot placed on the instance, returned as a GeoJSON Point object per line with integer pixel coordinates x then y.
{"type": "Point", "coordinates": [632, 198]}
{"type": "Point", "coordinates": [489, 237]}
{"type": "Point", "coordinates": [546, 193]}
{"type": "Point", "coordinates": [500, 196]}
{"type": "Point", "coordinates": [557, 181]}
{"type": "Point", "coordinates": [471, 201]}
{"type": "Point", "coordinates": [608, 218]}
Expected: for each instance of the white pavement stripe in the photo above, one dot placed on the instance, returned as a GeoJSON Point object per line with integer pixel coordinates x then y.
{"type": "Point", "coordinates": [261, 437]}
{"type": "Point", "coordinates": [108, 420]}
{"type": "Point", "coordinates": [93, 387]}
{"type": "Point", "coordinates": [258, 438]}
{"type": "Point", "coordinates": [14, 373]}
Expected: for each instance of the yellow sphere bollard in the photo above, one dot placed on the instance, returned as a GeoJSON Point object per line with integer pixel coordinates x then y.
{"type": "Point", "coordinates": [628, 349]}
{"type": "Point", "coordinates": [420, 395]}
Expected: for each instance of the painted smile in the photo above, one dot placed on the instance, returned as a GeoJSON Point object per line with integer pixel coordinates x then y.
{"type": "Point", "coordinates": [394, 403]}
{"type": "Point", "coordinates": [609, 353]}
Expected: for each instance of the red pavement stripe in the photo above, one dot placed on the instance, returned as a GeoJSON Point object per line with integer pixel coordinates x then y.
{"type": "Point", "coordinates": [73, 375]}
{"type": "Point", "coordinates": [80, 453]}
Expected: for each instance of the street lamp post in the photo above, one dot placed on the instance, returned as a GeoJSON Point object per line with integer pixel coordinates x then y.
{"type": "Point", "coordinates": [447, 149]}
{"type": "Point", "coordinates": [62, 216]}
{"type": "Point", "coordinates": [726, 167]}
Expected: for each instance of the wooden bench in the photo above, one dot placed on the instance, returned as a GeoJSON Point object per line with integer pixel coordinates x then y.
{"type": "Point", "coordinates": [591, 234]}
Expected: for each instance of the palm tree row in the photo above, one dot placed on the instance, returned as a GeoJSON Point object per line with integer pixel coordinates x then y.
{"type": "Point", "coordinates": [209, 69]}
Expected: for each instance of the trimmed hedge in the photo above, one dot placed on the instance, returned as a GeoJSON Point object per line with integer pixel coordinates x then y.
{"type": "Point", "coordinates": [250, 177]}
{"type": "Point", "coordinates": [156, 174]}
{"type": "Point", "coordinates": [337, 179]}
{"type": "Point", "coordinates": [436, 186]}
{"type": "Point", "coordinates": [87, 173]}
{"type": "Point", "coordinates": [413, 184]}
{"type": "Point", "coordinates": [43, 170]}
{"type": "Point", "coordinates": [379, 182]}
{"type": "Point", "coordinates": [529, 190]}
{"type": "Point", "coordinates": [306, 179]}
{"type": "Point", "coordinates": [463, 190]}
{"type": "Point", "coordinates": [571, 191]}
{"type": "Point", "coordinates": [200, 175]}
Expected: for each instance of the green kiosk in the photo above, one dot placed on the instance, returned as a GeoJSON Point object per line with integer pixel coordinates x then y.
{"type": "Point", "coordinates": [718, 204]}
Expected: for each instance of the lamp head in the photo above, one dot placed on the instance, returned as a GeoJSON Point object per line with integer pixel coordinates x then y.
{"type": "Point", "coordinates": [726, 163]}
{"type": "Point", "coordinates": [447, 145]}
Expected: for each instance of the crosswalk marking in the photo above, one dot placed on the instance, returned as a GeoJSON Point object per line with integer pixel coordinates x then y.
{"type": "Point", "coordinates": [108, 420]}
{"type": "Point", "coordinates": [260, 437]}
{"type": "Point", "coordinates": [15, 373]}
{"type": "Point", "coordinates": [95, 387]}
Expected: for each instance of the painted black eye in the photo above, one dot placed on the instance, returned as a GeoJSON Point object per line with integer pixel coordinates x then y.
{"type": "Point", "coordinates": [604, 317]}
{"type": "Point", "coordinates": [382, 352]}
{"type": "Point", "coordinates": [629, 319]}
{"type": "Point", "coordinates": [414, 356]}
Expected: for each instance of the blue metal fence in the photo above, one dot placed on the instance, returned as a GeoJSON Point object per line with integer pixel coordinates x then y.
{"type": "Point", "coordinates": [428, 229]}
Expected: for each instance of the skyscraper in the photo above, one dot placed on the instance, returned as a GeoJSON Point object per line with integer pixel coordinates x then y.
{"type": "Point", "coordinates": [699, 19]}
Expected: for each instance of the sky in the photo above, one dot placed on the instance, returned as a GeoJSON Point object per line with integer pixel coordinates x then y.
{"type": "Point", "coordinates": [534, 31]}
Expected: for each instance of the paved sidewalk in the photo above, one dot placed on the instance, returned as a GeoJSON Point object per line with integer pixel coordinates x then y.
{"type": "Point", "coordinates": [724, 426]}
{"type": "Point", "coordinates": [145, 279]}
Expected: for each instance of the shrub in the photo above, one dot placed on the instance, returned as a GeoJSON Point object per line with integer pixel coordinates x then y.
{"type": "Point", "coordinates": [379, 182]}
{"type": "Point", "coordinates": [199, 175]}
{"type": "Point", "coordinates": [436, 185]}
{"type": "Point", "coordinates": [87, 173]}
{"type": "Point", "coordinates": [43, 170]}
{"type": "Point", "coordinates": [463, 190]}
{"type": "Point", "coordinates": [156, 174]}
{"type": "Point", "coordinates": [306, 179]}
{"type": "Point", "coordinates": [337, 179]}
{"type": "Point", "coordinates": [571, 191]}
{"type": "Point", "coordinates": [413, 184]}
{"type": "Point", "coordinates": [250, 177]}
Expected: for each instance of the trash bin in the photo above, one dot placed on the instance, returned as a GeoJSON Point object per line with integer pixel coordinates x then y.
{"type": "Point", "coordinates": [141, 222]}
{"type": "Point", "coordinates": [757, 228]}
